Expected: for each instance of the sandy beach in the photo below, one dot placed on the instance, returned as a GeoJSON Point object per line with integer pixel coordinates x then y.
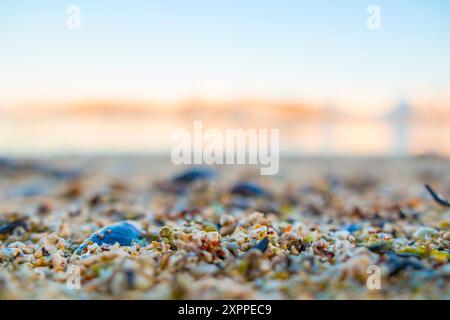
{"type": "Point", "coordinates": [139, 227]}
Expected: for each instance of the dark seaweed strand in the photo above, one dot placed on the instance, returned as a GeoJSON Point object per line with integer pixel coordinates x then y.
{"type": "Point", "coordinates": [437, 197]}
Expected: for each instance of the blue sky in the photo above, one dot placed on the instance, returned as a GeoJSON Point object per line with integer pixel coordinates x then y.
{"type": "Point", "coordinates": [174, 49]}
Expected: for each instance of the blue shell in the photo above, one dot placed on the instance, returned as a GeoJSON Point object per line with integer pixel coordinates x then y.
{"type": "Point", "coordinates": [192, 175]}
{"type": "Point", "coordinates": [123, 233]}
{"type": "Point", "coordinates": [248, 189]}
{"type": "Point", "coordinates": [262, 245]}
{"type": "Point", "coordinates": [397, 263]}
{"type": "Point", "coordinates": [8, 227]}
{"type": "Point", "coordinates": [352, 228]}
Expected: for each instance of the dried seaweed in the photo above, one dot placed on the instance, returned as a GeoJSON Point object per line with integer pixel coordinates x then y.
{"type": "Point", "coordinates": [437, 197]}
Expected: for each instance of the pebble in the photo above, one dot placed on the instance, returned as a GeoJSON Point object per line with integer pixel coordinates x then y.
{"type": "Point", "coordinates": [425, 233]}
{"type": "Point", "coordinates": [7, 254]}
{"type": "Point", "coordinates": [203, 269]}
{"type": "Point", "coordinates": [228, 224]}
{"type": "Point", "coordinates": [57, 260]}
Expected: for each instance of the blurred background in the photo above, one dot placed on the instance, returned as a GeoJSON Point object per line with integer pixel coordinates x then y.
{"type": "Point", "coordinates": [135, 71]}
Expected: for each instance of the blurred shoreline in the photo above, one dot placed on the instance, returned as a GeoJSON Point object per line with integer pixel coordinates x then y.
{"type": "Point", "coordinates": [343, 137]}
{"type": "Point", "coordinates": [306, 129]}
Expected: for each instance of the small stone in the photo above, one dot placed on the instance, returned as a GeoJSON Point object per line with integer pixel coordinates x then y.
{"type": "Point", "coordinates": [203, 269]}
{"type": "Point", "coordinates": [228, 224]}
{"type": "Point", "coordinates": [57, 260]}
{"type": "Point", "coordinates": [6, 254]}
{"type": "Point", "coordinates": [425, 233]}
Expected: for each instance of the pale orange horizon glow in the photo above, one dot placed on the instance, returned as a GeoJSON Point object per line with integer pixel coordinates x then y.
{"type": "Point", "coordinates": [424, 102]}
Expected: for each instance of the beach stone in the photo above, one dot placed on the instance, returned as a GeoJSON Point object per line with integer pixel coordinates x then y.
{"type": "Point", "coordinates": [425, 233]}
